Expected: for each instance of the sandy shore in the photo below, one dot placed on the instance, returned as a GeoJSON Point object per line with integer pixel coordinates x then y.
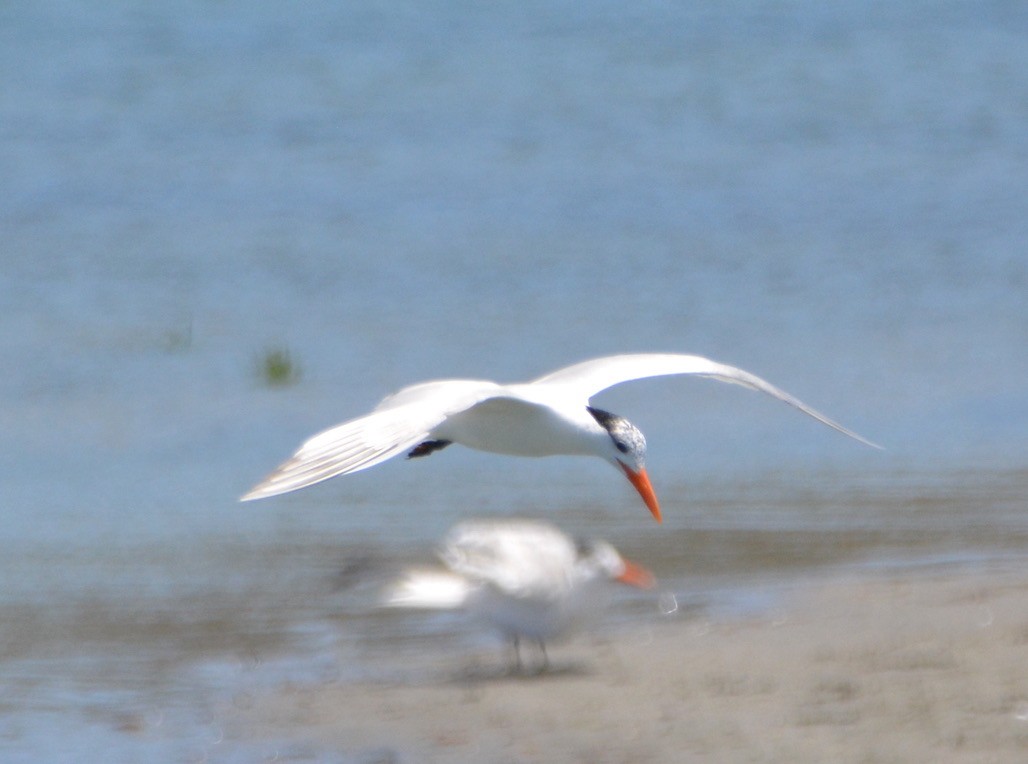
{"type": "Point", "coordinates": [913, 668]}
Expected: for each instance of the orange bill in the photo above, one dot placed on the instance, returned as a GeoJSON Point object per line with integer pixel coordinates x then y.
{"type": "Point", "coordinates": [641, 481]}
{"type": "Point", "coordinates": [636, 575]}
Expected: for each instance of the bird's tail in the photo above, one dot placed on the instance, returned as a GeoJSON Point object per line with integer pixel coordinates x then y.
{"type": "Point", "coordinates": [428, 589]}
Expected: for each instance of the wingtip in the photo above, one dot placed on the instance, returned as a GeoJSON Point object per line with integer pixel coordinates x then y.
{"type": "Point", "coordinates": [276, 482]}
{"type": "Point", "coordinates": [263, 490]}
{"type": "Point", "coordinates": [865, 441]}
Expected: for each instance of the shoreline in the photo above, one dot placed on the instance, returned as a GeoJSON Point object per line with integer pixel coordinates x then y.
{"type": "Point", "coordinates": [889, 667]}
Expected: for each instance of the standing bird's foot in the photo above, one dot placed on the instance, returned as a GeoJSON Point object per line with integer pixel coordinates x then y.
{"type": "Point", "coordinates": [519, 667]}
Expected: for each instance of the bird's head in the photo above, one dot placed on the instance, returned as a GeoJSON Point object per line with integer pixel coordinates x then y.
{"type": "Point", "coordinates": [627, 452]}
{"type": "Point", "coordinates": [598, 559]}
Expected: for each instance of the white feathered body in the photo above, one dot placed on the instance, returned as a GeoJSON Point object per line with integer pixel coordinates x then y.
{"type": "Point", "coordinates": [544, 417]}
{"type": "Point", "coordinates": [524, 578]}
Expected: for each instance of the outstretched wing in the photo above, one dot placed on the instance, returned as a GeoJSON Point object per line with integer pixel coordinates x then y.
{"type": "Point", "coordinates": [590, 377]}
{"type": "Point", "coordinates": [399, 423]}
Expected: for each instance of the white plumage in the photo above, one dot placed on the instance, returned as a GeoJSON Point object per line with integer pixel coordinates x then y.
{"type": "Point", "coordinates": [548, 416]}
{"type": "Point", "coordinates": [525, 578]}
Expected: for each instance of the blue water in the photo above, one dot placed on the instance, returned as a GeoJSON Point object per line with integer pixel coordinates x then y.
{"type": "Point", "coordinates": [830, 195]}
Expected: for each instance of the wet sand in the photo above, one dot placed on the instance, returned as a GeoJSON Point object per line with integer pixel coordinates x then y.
{"type": "Point", "coordinates": [915, 667]}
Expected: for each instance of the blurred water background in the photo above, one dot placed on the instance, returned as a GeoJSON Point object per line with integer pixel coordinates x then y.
{"type": "Point", "coordinates": [831, 195]}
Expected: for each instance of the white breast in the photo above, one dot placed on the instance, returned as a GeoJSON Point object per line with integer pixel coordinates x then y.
{"type": "Point", "coordinates": [524, 428]}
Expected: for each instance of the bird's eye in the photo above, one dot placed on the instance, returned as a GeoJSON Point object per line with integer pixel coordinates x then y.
{"type": "Point", "coordinates": [621, 446]}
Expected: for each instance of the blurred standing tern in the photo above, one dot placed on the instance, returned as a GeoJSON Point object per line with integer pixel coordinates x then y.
{"type": "Point", "coordinates": [548, 416]}
{"type": "Point", "coordinates": [524, 577]}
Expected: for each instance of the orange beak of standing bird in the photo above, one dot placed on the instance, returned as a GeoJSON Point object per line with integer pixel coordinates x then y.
{"type": "Point", "coordinates": [636, 575]}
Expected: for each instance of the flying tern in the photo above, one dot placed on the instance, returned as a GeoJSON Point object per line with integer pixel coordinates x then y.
{"type": "Point", "coordinates": [548, 416]}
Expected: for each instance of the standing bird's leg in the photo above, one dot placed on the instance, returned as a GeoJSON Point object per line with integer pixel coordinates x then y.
{"type": "Point", "coordinates": [546, 658]}
{"type": "Point", "coordinates": [517, 654]}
